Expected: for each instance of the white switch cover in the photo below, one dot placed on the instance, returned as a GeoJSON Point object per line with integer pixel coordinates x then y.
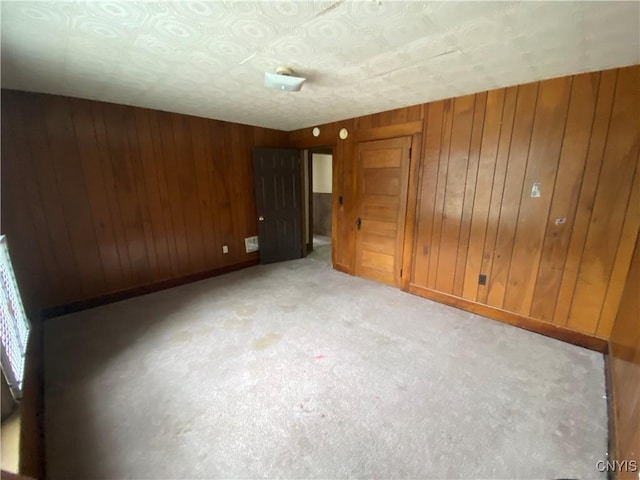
{"type": "Point", "coordinates": [535, 190]}
{"type": "Point", "coordinates": [251, 244]}
{"type": "Point", "coordinates": [225, 249]}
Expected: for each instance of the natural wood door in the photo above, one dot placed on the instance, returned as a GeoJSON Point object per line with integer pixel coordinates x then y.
{"type": "Point", "coordinates": [383, 168]}
{"type": "Point", "coordinates": [278, 200]}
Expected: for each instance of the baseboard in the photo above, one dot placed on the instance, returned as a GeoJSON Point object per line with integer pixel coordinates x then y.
{"type": "Point", "coordinates": [538, 326]}
{"type": "Point", "coordinates": [32, 434]}
{"type": "Point", "coordinates": [142, 290]}
{"type": "Point", "coordinates": [611, 416]}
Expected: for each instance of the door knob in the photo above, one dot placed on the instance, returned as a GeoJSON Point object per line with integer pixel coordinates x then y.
{"type": "Point", "coordinates": [261, 218]}
{"type": "Point", "coordinates": [358, 222]}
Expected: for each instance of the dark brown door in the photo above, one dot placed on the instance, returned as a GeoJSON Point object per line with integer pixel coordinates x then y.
{"type": "Point", "coordinates": [278, 200]}
{"type": "Point", "coordinates": [383, 169]}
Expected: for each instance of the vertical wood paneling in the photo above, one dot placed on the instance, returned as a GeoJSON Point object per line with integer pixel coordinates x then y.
{"type": "Point", "coordinates": [565, 196]}
{"type": "Point", "coordinates": [29, 118]}
{"type": "Point", "coordinates": [119, 197]}
{"type": "Point", "coordinates": [120, 163]}
{"type": "Point", "coordinates": [158, 160]}
{"type": "Point", "coordinates": [483, 191]}
{"type": "Point", "coordinates": [203, 191]}
{"type": "Point", "coordinates": [440, 191]}
{"type": "Point", "coordinates": [457, 161]}
{"type": "Point", "coordinates": [616, 283]}
{"type": "Point", "coordinates": [96, 193]}
{"type": "Point", "coordinates": [151, 180]}
{"type": "Point", "coordinates": [73, 195]}
{"type": "Point", "coordinates": [473, 212]}
{"type": "Point", "coordinates": [513, 187]}
{"type": "Point", "coordinates": [14, 140]}
{"type": "Point", "coordinates": [578, 137]}
{"type": "Point", "coordinates": [611, 204]}
{"type": "Point", "coordinates": [427, 182]}
{"type": "Point", "coordinates": [174, 196]}
{"type": "Point", "coordinates": [187, 188]}
{"type": "Point", "coordinates": [624, 352]}
{"type": "Point", "coordinates": [542, 163]}
{"type": "Point", "coordinates": [100, 198]}
{"type": "Point", "coordinates": [469, 193]}
{"type": "Point", "coordinates": [220, 182]}
{"type": "Point", "coordinates": [597, 141]}
{"type": "Point", "coordinates": [102, 157]}
{"type": "Point", "coordinates": [141, 198]}
{"type": "Point", "coordinates": [497, 190]}
{"type": "Point", "coordinates": [18, 219]}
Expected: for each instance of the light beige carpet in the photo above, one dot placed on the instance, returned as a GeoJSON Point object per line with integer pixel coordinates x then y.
{"type": "Point", "coordinates": [294, 370]}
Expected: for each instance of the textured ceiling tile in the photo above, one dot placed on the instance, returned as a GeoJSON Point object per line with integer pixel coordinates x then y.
{"type": "Point", "coordinates": [209, 58]}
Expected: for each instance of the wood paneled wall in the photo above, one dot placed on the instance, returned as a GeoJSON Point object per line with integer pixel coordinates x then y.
{"type": "Point", "coordinates": [561, 257]}
{"type": "Point", "coordinates": [555, 263]}
{"type": "Point", "coordinates": [100, 198]}
{"type": "Point", "coordinates": [624, 351]}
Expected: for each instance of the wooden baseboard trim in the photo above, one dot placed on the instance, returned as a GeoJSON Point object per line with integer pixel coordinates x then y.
{"type": "Point", "coordinates": [527, 323]}
{"type": "Point", "coordinates": [32, 434]}
{"type": "Point", "coordinates": [143, 290]}
{"type": "Point", "coordinates": [611, 416]}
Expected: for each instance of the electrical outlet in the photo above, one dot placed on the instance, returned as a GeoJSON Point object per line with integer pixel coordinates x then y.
{"type": "Point", "coordinates": [225, 249]}
{"type": "Point", "coordinates": [482, 279]}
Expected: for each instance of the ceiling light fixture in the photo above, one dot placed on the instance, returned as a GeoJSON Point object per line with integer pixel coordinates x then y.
{"type": "Point", "coordinates": [283, 79]}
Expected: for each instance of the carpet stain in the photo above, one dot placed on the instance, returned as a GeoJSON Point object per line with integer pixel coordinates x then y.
{"type": "Point", "coordinates": [266, 341]}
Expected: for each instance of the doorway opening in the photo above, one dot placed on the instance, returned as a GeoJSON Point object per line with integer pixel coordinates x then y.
{"type": "Point", "coordinates": [317, 171]}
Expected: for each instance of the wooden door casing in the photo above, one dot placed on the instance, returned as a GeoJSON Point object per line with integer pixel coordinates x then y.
{"type": "Point", "coordinates": [382, 176]}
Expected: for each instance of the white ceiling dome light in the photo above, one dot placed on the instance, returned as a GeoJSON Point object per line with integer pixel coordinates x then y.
{"type": "Point", "coordinates": [283, 79]}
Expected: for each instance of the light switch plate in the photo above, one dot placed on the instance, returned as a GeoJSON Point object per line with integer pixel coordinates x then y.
{"type": "Point", "coordinates": [535, 190]}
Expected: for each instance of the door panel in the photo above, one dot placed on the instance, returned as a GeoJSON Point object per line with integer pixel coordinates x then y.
{"type": "Point", "coordinates": [383, 169]}
{"type": "Point", "coordinates": [277, 178]}
{"type": "Point", "coordinates": [381, 181]}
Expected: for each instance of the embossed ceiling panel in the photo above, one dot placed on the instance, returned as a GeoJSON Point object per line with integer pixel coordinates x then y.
{"type": "Point", "coordinates": [209, 58]}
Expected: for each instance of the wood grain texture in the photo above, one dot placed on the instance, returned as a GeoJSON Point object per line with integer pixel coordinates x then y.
{"type": "Point", "coordinates": [100, 198]}
{"type": "Point", "coordinates": [383, 179]}
{"type": "Point", "coordinates": [561, 257]}
{"type": "Point", "coordinates": [624, 359]}
{"type": "Point", "coordinates": [112, 197]}
{"type": "Point", "coordinates": [610, 207]}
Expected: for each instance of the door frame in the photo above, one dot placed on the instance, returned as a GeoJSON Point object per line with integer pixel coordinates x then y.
{"type": "Point", "coordinates": [403, 196]}
{"type": "Point", "coordinates": [411, 129]}
{"type": "Point", "coordinates": [326, 150]}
